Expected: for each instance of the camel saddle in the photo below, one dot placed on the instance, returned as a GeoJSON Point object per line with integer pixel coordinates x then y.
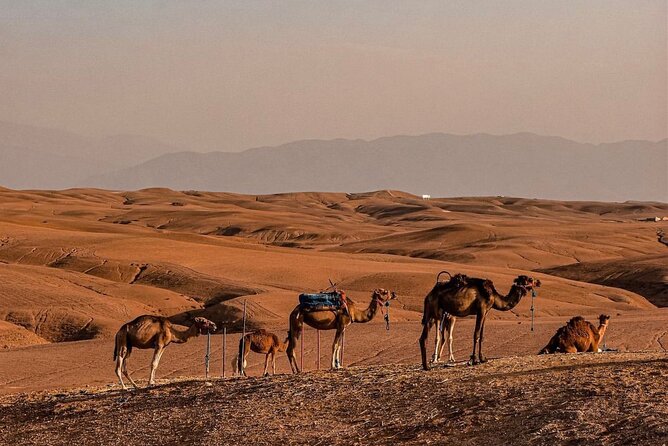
{"type": "Point", "coordinates": [322, 301]}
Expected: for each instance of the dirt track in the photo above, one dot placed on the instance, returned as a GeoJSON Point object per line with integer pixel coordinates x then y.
{"type": "Point", "coordinates": [614, 398]}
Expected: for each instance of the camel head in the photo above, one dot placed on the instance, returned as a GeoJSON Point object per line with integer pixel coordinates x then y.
{"type": "Point", "coordinates": [526, 282]}
{"type": "Point", "coordinates": [382, 295]}
{"type": "Point", "coordinates": [205, 326]}
{"type": "Point", "coordinates": [604, 319]}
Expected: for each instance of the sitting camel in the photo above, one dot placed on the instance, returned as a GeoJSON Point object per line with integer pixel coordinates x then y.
{"type": "Point", "coordinates": [154, 332]}
{"type": "Point", "coordinates": [476, 296]}
{"type": "Point", "coordinates": [578, 335]}
{"type": "Point", "coordinates": [333, 319]}
{"type": "Point", "coordinates": [260, 341]}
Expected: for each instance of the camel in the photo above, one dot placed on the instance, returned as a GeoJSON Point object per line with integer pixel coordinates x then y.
{"type": "Point", "coordinates": [578, 335]}
{"type": "Point", "coordinates": [476, 297]}
{"type": "Point", "coordinates": [333, 319]}
{"type": "Point", "coordinates": [154, 332]}
{"type": "Point", "coordinates": [260, 341]}
{"type": "Point", "coordinates": [446, 321]}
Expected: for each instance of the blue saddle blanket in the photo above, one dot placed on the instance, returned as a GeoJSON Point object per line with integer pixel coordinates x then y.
{"type": "Point", "coordinates": [320, 300]}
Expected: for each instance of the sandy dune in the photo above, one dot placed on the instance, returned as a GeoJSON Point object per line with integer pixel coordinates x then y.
{"type": "Point", "coordinates": [76, 264]}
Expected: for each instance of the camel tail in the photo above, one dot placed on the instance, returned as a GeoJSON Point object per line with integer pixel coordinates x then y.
{"type": "Point", "coordinates": [296, 314]}
{"type": "Point", "coordinates": [425, 310]}
{"type": "Point", "coordinates": [121, 341]}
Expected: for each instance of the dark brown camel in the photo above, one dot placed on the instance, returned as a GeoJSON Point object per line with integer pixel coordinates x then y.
{"type": "Point", "coordinates": [477, 297]}
{"type": "Point", "coordinates": [578, 335]}
{"type": "Point", "coordinates": [333, 319]}
{"type": "Point", "coordinates": [260, 341]}
{"type": "Point", "coordinates": [154, 332]}
{"type": "Point", "coordinates": [445, 322]}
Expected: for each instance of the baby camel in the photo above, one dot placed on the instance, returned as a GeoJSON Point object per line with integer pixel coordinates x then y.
{"type": "Point", "coordinates": [577, 335]}
{"type": "Point", "coordinates": [154, 332]}
{"type": "Point", "coordinates": [260, 341]}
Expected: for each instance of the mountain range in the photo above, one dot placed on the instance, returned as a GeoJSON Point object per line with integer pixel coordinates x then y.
{"type": "Point", "coordinates": [522, 164]}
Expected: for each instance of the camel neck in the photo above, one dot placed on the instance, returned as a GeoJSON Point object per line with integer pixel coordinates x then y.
{"type": "Point", "coordinates": [367, 314]}
{"type": "Point", "coordinates": [510, 300]}
{"type": "Point", "coordinates": [180, 336]}
{"type": "Point", "coordinates": [601, 330]}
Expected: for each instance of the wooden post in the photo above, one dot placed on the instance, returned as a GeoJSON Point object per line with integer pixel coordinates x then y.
{"type": "Point", "coordinates": [224, 349]}
{"type": "Point", "coordinates": [208, 354]}
{"type": "Point", "coordinates": [301, 355]}
{"type": "Point", "coordinates": [318, 350]}
{"type": "Point", "coordinates": [243, 347]}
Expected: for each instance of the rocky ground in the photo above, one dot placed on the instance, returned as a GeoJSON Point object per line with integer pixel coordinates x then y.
{"type": "Point", "coordinates": [596, 399]}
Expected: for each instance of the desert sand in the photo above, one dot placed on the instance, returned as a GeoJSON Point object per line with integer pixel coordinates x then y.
{"type": "Point", "coordinates": [76, 264]}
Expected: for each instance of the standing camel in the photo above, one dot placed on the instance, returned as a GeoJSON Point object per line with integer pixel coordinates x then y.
{"type": "Point", "coordinates": [477, 297]}
{"type": "Point", "coordinates": [578, 335]}
{"type": "Point", "coordinates": [333, 319]}
{"type": "Point", "coordinates": [154, 332]}
{"type": "Point", "coordinates": [260, 341]}
{"type": "Point", "coordinates": [445, 321]}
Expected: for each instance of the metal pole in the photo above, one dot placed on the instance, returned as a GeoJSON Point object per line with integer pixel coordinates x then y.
{"type": "Point", "coordinates": [301, 355]}
{"type": "Point", "coordinates": [343, 346]}
{"type": "Point", "coordinates": [533, 307]}
{"type": "Point", "coordinates": [208, 353]}
{"type": "Point", "coordinates": [318, 361]}
{"type": "Point", "coordinates": [243, 347]}
{"type": "Point", "coordinates": [224, 349]}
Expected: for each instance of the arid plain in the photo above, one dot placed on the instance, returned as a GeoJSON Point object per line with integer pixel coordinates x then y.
{"type": "Point", "coordinates": [76, 264]}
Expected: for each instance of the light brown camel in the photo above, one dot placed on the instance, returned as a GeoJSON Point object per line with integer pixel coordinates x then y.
{"type": "Point", "coordinates": [477, 297]}
{"type": "Point", "coordinates": [260, 341]}
{"type": "Point", "coordinates": [154, 332]}
{"type": "Point", "coordinates": [333, 319]}
{"type": "Point", "coordinates": [445, 321]}
{"type": "Point", "coordinates": [578, 335]}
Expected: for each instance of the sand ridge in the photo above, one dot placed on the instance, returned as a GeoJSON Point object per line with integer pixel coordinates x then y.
{"type": "Point", "coordinates": [78, 263]}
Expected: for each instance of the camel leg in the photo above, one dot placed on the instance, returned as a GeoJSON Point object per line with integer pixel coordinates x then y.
{"type": "Point", "coordinates": [336, 350]}
{"type": "Point", "coordinates": [266, 364]}
{"type": "Point", "coordinates": [570, 349]}
{"type": "Point", "coordinates": [482, 335]}
{"type": "Point", "coordinates": [119, 367]}
{"type": "Point", "coordinates": [154, 364]}
{"type": "Point", "coordinates": [273, 363]}
{"type": "Point", "coordinates": [476, 337]}
{"type": "Point", "coordinates": [423, 342]}
{"type": "Point", "coordinates": [438, 347]}
{"type": "Point", "coordinates": [294, 365]}
{"type": "Point", "coordinates": [296, 325]}
{"type": "Point", "coordinates": [450, 326]}
{"type": "Point", "coordinates": [244, 358]}
{"type": "Point", "coordinates": [290, 351]}
{"type": "Point", "coordinates": [125, 371]}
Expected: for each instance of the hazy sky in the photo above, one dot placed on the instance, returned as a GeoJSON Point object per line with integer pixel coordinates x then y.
{"type": "Point", "coordinates": [228, 75]}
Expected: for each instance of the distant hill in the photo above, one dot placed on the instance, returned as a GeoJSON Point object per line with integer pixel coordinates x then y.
{"type": "Point", "coordinates": [522, 164]}
{"type": "Point", "coordinates": [42, 158]}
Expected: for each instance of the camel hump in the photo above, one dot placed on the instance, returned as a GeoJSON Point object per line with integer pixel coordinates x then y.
{"type": "Point", "coordinates": [576, 320]}
{"type": "Point", "coordinates": [488, 285]}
